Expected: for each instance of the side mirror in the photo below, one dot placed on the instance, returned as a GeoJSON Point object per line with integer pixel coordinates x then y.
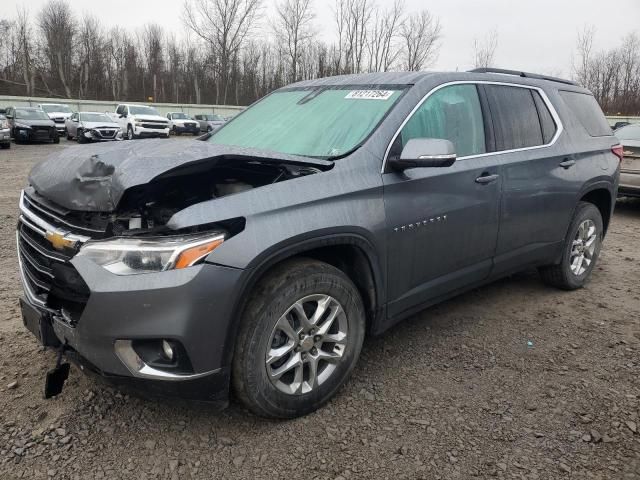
{"type": "Point", "coordinates": [425, 152]}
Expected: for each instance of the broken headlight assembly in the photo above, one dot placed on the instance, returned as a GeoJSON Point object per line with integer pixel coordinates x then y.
{"type": "Point", "coordinates": [130, 256]}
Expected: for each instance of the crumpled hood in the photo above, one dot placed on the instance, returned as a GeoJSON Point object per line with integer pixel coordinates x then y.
{"type": "Point", "coordinates": [94, 178]}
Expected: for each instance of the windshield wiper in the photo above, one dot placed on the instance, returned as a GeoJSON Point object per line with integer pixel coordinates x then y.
{"type": "Point", "coordinates": [311, 95]}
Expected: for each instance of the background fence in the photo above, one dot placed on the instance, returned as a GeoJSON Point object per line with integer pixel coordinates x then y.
{"type": "Point", "coordinates": [107, 106]}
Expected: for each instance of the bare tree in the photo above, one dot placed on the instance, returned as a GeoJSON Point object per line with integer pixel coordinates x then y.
{"type": "Point", "coordinates": [420, 34]}
{"type": "Point", "coordinates": [292, 27]}
{"type": "Point", "coordinates": [90, 48]}
{"type": "Point", "coordinates": [223, 25]}
{"type": "Point", "coordinates": [585, 48]}
{"type": "Point", "coordinates": [58, 28]}
{"type": "Point", "coordinates": [25, 43]}
{"type": "Point", "coordinates": [484, 50]}
{"type": "Point", "coordinates": [383, 51]}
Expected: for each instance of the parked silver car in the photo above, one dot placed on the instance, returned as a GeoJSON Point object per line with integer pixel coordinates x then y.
{"type": "Point", "coordinates": [5, 133]}
{"type": "Point", "coordinates": [59, 113]}
{"type": "Point", "coordinates": [209, 121]}
{"type": "Point", "coordinates": [92, 126]}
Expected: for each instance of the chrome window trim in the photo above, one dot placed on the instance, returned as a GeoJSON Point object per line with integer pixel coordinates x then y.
{"type": "Point", "coordinates": [545, 99]}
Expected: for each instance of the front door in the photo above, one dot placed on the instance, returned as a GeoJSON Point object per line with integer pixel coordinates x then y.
{"type": "Point", "coordinates": [442, 222]}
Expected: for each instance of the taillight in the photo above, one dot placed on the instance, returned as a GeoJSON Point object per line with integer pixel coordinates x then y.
{"type": "Point", "coordinates": [618, 151]}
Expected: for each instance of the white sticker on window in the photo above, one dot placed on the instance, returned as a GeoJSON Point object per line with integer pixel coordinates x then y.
{"type": "Point", "coordinates": [370, 94]}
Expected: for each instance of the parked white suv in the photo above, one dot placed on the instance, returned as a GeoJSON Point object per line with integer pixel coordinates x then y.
{"type": "Point", "coordinates": [141, 121]}
{"type": "Point", "coordinates": [58, 112]}
{"type": "Point", "coordinates": [180, 122]}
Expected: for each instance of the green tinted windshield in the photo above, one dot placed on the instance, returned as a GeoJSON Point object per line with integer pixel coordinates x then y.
{"type": "Point", "coordinates": [310, 122]}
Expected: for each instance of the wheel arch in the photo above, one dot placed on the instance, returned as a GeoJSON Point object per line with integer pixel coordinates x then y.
{"type": "Point", "coordinates": [600, 195]}
{"type": "Point", "coordinates": [351, 253]}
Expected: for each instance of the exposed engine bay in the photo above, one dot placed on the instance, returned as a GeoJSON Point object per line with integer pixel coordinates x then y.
{"type": "Point", "coordinates": [150, 207]}
{"type": "Point", "coordinates": [146, 209]}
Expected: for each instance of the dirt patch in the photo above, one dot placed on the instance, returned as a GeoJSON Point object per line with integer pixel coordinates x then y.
{"type": "Point", "coordinates": [514, 380]}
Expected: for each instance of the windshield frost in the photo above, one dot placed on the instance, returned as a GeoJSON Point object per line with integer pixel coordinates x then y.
{"type": "Point", "coordinates": [310, 122]}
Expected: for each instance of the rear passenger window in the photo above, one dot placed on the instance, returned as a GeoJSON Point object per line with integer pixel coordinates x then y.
{"type": "Point", "coordinates": [515, 117]}
{"type": "Point", "coordinates": [546, 120]}
{"type": "Point", "coordinates": [451, 113]}
{"type": "Point", "coordinates": [586, 109]}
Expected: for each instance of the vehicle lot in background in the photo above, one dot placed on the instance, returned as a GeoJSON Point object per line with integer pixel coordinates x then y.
{"type": "Point", "coordinates": [28, 124]}
{"type": "Point", "coordinates": [180, 123]}
{"type": "Point", "coordinates": [629, 137]}
{"type": "Point", "coordinates": [209, 121]}
{"type": "Point", "coordinates": [92, 126]}
{"type": "Point", "coordinates": [5, 133]}
{"type": "Point", "coordinates": [138, 121]}
{"type": "Point", "coordinates": [58, 112]}
{"type": "Point", "coordinates": [454, 392]}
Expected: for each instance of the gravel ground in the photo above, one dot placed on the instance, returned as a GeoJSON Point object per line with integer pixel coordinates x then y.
{"type": "Point", "coordinates": [454, 392]}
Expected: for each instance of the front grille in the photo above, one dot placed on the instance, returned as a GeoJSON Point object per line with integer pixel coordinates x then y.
{"type": "Point", "coordinates": [41, 132]}
{"type": "Point", "coordinates": [49, 279]}
{"type": "Point", "coordinates": [107, 133]}
{"type": "Point", "coordinates": [58, 120]}
{"type": "Point", "coordinates": [156, 126]}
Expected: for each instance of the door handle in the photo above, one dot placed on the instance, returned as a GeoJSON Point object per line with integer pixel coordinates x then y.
{"type": "Point", "coordinates": [486, 178]}
{"type": "Point", "coordinates": [567, 164]}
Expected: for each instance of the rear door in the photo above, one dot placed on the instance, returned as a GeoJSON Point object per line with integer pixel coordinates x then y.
{"type": "Point", "coordinates": [442, 222]}
{"type": "Point", "coordinates": [539, 175]}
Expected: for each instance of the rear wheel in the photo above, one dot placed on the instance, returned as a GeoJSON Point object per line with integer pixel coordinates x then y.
{"type": "Point", "coordinates": [300, 338]}
{"type": "Point", "coordinates": [581, 250]}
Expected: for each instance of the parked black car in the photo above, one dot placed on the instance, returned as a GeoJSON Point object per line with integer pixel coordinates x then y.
{"type": "Point", "coordinates": [30, 124]}
{"type": "Point", "coordinates": [259, 257]}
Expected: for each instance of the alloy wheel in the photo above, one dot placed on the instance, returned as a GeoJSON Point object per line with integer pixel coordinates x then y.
{"type": "Point", "coordinates": [306, 345]}
{"type": "Point", "coordinates": [583, 247]}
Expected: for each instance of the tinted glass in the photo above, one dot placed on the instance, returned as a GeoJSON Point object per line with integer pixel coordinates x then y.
{"type": "Point", "coordinates": [515, 117]}
{"type": "Point", "coordinates": [142, 110]}
{"type": "Point", "coordinates": [94, 117]}
{"type": "Point", "coordinates": [328, 122]}
{"type": "Point", "coordinates": [546, 120]}
{"type": "Point", "coordinates": [586, 109]}
{"type": "Point", "coordinates": [451, 113]}
{"type": "Point", "coordinates": [31, 114]}
{"type": "Point", "coordinates": [630, 132]}
{"type": "Point", "coordinates": [56, 108]}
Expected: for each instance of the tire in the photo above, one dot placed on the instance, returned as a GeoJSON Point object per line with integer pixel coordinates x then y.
{"type": "Point", "coordinates": [209, 129]}
{"type": "Point", "coordinates": [564, 275]}
{"type": "Point", "coordinates": [130, 134]}
{"type": "Point", "coordinates": [56, 139]}
{"type": "Point", "coordinates": [5, 146]}
{"type": "Point", "coordinates": [80, 137]}
{"type": "Point", "coordinates": [69, 137]}
{"type": "Point", "coordinates": [272, 303]}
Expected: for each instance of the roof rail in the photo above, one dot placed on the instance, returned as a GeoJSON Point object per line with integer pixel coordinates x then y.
{"type": "Point", "coordinates": [523, 74]}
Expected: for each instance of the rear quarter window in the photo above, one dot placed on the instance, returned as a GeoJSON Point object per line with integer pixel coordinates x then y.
{"type": "Point", "coordinates": [586, 110]}
{"type": "Point", "coordinates": [515, 117]}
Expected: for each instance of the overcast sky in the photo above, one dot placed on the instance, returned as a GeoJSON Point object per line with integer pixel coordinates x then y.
{"type": "Point", "coordinates": [537, 36]}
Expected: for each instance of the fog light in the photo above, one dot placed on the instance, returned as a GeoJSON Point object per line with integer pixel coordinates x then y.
{"type": "Point", "coordinates": [167, 350]}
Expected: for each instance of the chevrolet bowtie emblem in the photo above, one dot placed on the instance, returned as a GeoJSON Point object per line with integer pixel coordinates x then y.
{"type": "Point", "coordinates": [58, 241]}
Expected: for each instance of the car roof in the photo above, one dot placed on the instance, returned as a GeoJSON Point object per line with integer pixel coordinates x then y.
{"type": "Point", "coordinates": [100, 113]}
{"type": "Point", "coordinates": [29, 108]}
{"type": "Point", "coordinates": [413, 78]}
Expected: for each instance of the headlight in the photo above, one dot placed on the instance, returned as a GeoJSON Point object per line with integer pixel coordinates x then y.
{"type": "Point", "coordinates": [4, 124]}
{"type": "Point", "coordinates": [129, 256]}
{"type": "Point", "coordinates": [22, 125]}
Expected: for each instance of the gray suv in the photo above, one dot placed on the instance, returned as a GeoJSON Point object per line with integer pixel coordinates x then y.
{"type": "Point", "coordinates": [258, 258]}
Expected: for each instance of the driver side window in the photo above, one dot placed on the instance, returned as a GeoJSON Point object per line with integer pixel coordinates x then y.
{"type": "Point", "coordinates": [451, 113]}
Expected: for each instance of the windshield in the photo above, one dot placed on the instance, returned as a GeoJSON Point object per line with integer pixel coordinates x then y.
{"type": "Point", "coordinates": [95, 117]}
{"type": "Point", "coordinates": [180, 116]}
{"type": "Point", "coordinates": [31, 114]}
{"type": "Point", "coordinates": [312, 122]}
{"type": "Point", "coordinates": [56, 108]}
{"type": "Point", "coordinates": [630, 132]}
{"type": "Point", "coordinates": [214, 118]}
{"type": "Point", "coordinates": [142, 110]}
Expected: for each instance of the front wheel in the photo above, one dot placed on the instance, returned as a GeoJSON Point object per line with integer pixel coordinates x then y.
{"type": "Point", "coordinates": [581, 250]}
{"type": "Point", "coordinates": [5, 145]}
{"type": "Point", "coordinates": [300, 338]}
{"type": "Point", "coordinates": [130, 134]}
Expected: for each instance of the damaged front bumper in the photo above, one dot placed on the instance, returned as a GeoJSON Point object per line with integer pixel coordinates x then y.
{"type": "Point", "coordinates": [110, 324]}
